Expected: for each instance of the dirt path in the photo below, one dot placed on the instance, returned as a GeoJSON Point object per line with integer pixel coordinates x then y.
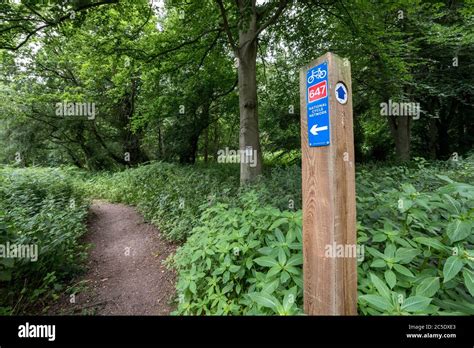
{"type": "Point", "coordinates": [125, 272]}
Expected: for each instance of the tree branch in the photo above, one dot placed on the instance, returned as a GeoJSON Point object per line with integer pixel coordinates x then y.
{"type": "Point", "coordinates": [208, 50]}
{"type": "Point", "coordinates": [55, 23]}
{"type": "Point", "coordinates": [227, 27]}
{"type": "Point", "coordinates": [185, 43]}
{"type": "Point", "coordinates": [281, 7]}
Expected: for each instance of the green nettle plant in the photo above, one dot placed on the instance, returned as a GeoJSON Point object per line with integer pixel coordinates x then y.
{"type": "Point", "coordinates": [40, 207]}
{"type": "Point", "coordinates": [169, 196]}
{"type": "Point", "coordinates": [241, 260]}
{"type": "Point", "coordinates": [420, 256]}
{"type": "Point", "coordinates": [418, 239]}
{"type": "Point", "coordinates": [242, 249]}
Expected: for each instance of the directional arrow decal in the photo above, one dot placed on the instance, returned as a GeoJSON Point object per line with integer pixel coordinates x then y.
{"type": "Point", "coordinates": [315, 129]}
{"type": "Point", "coordinates": [341, 93]}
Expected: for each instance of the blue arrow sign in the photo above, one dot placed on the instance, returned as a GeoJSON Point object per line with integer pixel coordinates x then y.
{"type": "Point", "coordinates": [317, 105]}
{"type": "Point", "coordinates": [341, 93]}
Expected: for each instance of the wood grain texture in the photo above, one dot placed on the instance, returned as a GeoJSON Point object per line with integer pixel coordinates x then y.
{"type": "Point", "coordinates": [329, 207]}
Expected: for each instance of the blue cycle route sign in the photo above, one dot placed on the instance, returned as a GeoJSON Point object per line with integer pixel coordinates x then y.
{"type": "Point", "coordinates": [317, 104]}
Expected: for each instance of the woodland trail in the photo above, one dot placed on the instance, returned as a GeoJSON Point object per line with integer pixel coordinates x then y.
{"type": "Point", "coordinates": [125, 274]}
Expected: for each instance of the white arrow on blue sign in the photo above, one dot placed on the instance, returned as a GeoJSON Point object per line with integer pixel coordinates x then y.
{"type": "Point", "coordinates": [315, 129]}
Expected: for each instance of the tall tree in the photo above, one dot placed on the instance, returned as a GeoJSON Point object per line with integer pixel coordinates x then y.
{"type": "Point", "coordinates": [250, 20]}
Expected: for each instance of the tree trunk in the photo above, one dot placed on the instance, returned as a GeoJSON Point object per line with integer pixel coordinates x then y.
{"type": "Point", "coordinates": [159, 142]}
{"type": "Point", "coordinates": [400, 127]}
{"type": "Point", "coordinates": [249, 133]}
{"type": "Point", "coordinates": [188, 154]}
{"type": "Point", "coordinates": [432, 138]}
{"type": "Point", "coordinates": [432, 108]}
{"type": "Point", "coordinates": [445, 140]}
{"type": "Point", "coordinates": [216, 141]}
{"type": "Point", "coordinates": [206, 145]}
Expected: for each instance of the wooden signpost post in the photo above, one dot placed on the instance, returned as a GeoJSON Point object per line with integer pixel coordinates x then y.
{"type": "Point", "coordinates": [329, 207]}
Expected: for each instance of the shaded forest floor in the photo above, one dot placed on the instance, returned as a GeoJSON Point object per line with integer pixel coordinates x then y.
{"type": "Point", "coordinates": [125, 275]}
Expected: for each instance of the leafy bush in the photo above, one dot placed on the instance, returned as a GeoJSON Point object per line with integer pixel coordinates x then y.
{"type": "Point", "coordinates": [39, 207]}
{"type": "Point", "coordinates": [173, 197]}
{"type": "Point", "coordinates": [414, 221]}
{"type": "Point", "coordinates": [168, 195]}
{"type": "Point", "coordinates": [419, 248]}
{"type": "Point", "coordinates": [280, 187]}
{"type": "Point", "coordinates": [416, 227]}
{"type": "Point", "coordinates": [241, 260]}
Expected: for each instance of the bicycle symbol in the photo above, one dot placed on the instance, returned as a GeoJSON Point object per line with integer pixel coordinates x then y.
{"type": "Point", "coordinates": [319, 74]}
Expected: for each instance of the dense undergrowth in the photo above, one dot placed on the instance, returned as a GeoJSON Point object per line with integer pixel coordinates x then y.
{"type": "Point", "coordinates": [42, 216]}
{"type": "Point", "coordinates": [241, 248]}
{"type": "Point", "coordinates": [173, 197]}
{"type": "Point", "coordinates": [416, 225]}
